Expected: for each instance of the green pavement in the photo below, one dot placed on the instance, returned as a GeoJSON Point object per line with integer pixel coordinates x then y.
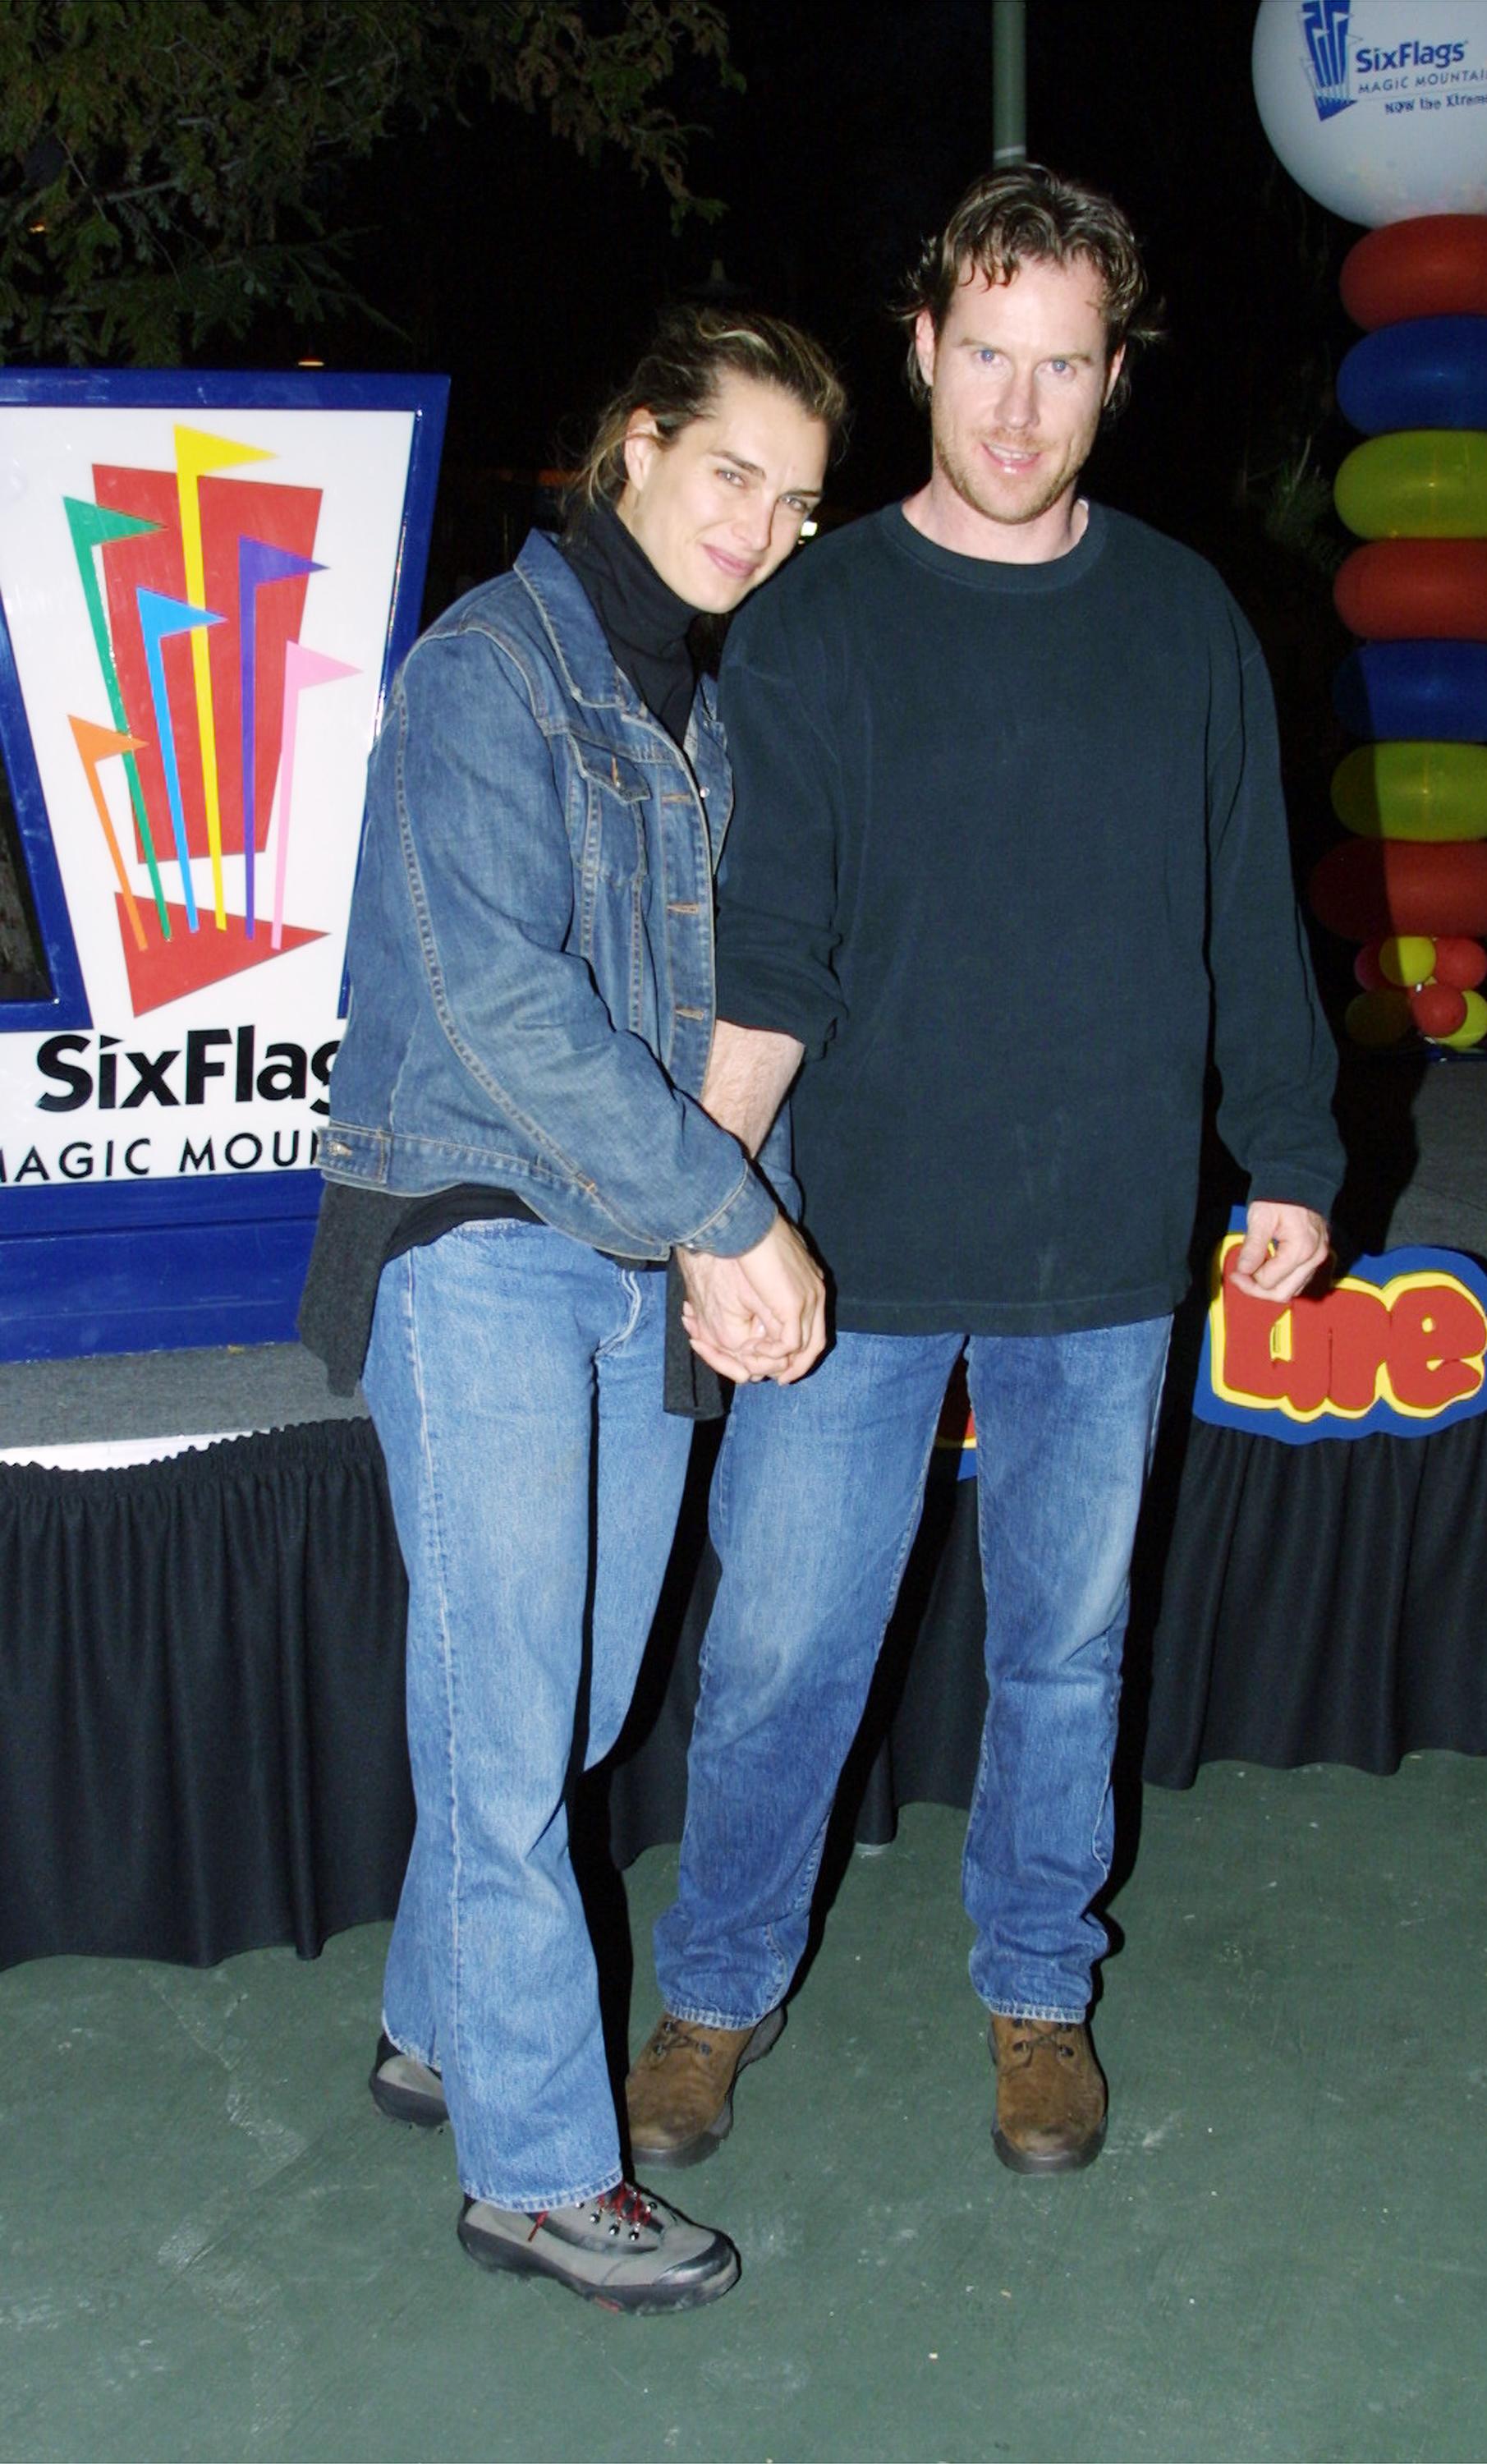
{"type": "Point", "coordinates": [213, 2252]}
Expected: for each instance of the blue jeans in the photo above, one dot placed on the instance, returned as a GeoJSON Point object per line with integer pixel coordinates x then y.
{"type": "Point", "coordinates": [515, 1380]}
{"type": "Point", "coordinates": [816, 1501]}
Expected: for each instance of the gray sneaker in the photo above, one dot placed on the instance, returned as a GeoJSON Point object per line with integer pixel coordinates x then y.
{"type": "Point", "coordinates": [623, 2249]}
{"type": "Point", "coordinates": [405, 2089]}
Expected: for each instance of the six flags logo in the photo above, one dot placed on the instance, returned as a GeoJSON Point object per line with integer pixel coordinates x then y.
{"type": "Point", "coordinates": [1325, 25]}
{"type": "Point", "coordinates": [195, 589]}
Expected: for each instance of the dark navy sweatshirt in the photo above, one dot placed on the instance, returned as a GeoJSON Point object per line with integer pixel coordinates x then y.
{"type": "Point", "coordinates": [1008, 856]}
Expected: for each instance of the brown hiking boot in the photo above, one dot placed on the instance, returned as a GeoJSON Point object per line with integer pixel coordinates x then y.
{"type": "Point", "coordinates": [680, 2091]}
{"type": "Point", "coordinates": [1050, 2095]}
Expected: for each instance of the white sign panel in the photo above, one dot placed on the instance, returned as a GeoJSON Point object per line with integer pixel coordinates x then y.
{"type": "Point", "coordinates": [198, 602]}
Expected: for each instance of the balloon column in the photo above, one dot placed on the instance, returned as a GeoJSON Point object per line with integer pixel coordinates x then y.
{"type": "Point", "coordinates": [1416, 493]}
{"type": "Point", "coordinates": [1371, 105]}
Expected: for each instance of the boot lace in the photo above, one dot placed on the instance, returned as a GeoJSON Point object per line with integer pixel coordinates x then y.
{"type": "Point", "coordinates": [1051, 2035]}
{"type": "Point", "coordinates": [678, 2036]}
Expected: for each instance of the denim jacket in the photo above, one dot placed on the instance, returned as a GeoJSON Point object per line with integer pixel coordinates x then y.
{"type": "Point", "coordinates": [531, 941]}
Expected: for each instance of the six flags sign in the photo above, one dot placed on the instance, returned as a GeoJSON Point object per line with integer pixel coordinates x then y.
{"type": "Point", "coordinates": [199, 605]}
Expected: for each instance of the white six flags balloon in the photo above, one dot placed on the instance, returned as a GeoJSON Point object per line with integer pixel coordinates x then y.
{"type": "Point", "coordinates": [1378, 108]}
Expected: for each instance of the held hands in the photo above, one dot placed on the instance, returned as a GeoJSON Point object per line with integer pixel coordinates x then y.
{"type": "Point", "coordinates": [1282, 1250]}
{"type": "Point", "coordinates": [760, 1315]}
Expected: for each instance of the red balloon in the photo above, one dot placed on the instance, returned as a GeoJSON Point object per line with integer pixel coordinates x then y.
{"type": "Point", "coordinates": [1435, 265]}
{"type": "Point", "coordinates": [1460, 962]}
{"type": "Point", "coordinates": [1368, 970]}
{"type": "Point", "coordinates": [1410, 589]}
{"type": "Point", "coordinates": [1437, 1009]}
{"type": "Point", "coordinates": [1367, 888]}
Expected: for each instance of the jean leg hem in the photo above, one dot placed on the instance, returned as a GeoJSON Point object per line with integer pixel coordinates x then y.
{"type": "Point", "coordinates": [697, 2017]}
{"type": "Point", "coordinates": [1010, 2009]}
{"type": "Point", "coordinates": [414, 2052]}
{"type": "Point", "coordinates": [532, 2203]}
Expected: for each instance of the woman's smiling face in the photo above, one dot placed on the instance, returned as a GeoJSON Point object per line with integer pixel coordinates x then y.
{"type": "Point", "coordinates": [721, 506]}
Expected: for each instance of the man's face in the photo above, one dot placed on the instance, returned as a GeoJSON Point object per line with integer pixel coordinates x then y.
{"type": "Point", "coordinates": [1020, 377]}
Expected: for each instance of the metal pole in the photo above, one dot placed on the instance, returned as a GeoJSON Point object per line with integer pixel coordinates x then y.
{"type": "Point", "coordinates": [1009, 83]}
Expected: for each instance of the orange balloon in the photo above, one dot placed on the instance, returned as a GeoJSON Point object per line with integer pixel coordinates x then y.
{"type": "Point", "coordinates": [1438, 1009]}
{"type": "Point", "coordinates": [1368, 970]}
{"type": "Point", "coordinates": [1367, 888]}
{"type": "Point", "coordinates": [1460, 962]}
{"type": "Point", "coordinates": [1416, 589]}
{"type": "Point", "coordinates": [1434, 265]}
{"type": "Point", "coordinates": [1473, 1027]}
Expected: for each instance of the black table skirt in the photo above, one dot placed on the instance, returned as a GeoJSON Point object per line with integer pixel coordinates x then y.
{"type": "Point", "coordinates": [201, 1667]}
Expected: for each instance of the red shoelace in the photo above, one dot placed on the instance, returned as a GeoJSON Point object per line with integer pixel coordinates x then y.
{"type": "Point", "coordinates": [630, 2206]}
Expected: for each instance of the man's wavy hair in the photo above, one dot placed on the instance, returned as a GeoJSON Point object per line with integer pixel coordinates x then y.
{"type": "Point", "coordinates": [1029, 216]}
{"type": "Point", "coordinates": [678, 379]}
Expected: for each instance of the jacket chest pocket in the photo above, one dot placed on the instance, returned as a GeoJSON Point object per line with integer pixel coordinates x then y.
{"type": "Point", "coordinates": [613, 795]}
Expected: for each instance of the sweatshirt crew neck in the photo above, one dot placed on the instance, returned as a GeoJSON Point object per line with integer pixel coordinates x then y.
{"type": "Point", "coordinates": [996, 575]}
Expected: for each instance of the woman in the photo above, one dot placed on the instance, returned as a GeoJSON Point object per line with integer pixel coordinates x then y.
{"type": "Point", "coordinates": [516, 1146]}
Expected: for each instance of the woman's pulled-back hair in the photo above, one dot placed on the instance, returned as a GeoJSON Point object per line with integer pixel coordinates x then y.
{"type": "Point", "coordinates": [1026, 216]}
{"type": "Point", "coordinates": [677, 381]}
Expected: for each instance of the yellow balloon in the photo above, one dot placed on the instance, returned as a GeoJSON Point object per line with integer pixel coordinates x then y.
{"type": "Point", "coordinates": [1417, 483]}
{"type": "Point", "coordinates": [1407, 958]}
{"type": "Point", "coordinates": [1411, 790]}
{"type": "Point", "coordinates": [1377, 1019]}
{"type": "Point", "coordinates": [1472, 1030]}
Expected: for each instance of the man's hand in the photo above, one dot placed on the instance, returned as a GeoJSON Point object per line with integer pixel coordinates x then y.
{"type": "Point", "coordinates": [760, 1315]}
{"type": "Point", "coordinates": [1282, 1250]}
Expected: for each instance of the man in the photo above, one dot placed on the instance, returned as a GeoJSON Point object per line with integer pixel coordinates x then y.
{"type": "Point", "coordinates": [1010, 850]}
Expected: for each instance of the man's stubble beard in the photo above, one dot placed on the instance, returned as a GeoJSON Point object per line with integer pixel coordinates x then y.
{"type": "Point", "coordinates": [963, 478]}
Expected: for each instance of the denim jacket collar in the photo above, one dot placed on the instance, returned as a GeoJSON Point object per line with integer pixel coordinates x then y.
{"type": "Point", "coordinates": [579, 651]}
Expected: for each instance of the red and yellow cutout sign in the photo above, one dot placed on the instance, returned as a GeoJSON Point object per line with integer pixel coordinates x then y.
{"type": "Point", "coordinates": [1396, 1345]}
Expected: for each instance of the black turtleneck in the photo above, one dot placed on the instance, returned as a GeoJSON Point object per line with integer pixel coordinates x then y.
{"type": "Point", "coordinates": [645, 622]}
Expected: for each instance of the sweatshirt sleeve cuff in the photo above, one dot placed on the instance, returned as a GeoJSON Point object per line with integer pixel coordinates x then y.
{"type": "Point", "coordinates": [781, 1001]}
{"type": "Point", "coordinates": [1286, 1186]}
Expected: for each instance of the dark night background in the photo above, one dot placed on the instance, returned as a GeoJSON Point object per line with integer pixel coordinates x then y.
{"type": "Point", "coordinates": [530, 278]}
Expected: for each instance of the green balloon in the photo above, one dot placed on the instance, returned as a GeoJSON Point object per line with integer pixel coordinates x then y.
{"type": "Point", "coordinates": [1417, 483]}
{"type": "Point", "coordinates": [1377, 1019]}
{"type": "Point", "coordinates": [1412, 791]}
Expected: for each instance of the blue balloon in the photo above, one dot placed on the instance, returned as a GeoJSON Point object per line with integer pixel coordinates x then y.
{"type": "Point", "coordinates": [1428, 372]}
{"type": "Point", "coordinates": [1430, 692]}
